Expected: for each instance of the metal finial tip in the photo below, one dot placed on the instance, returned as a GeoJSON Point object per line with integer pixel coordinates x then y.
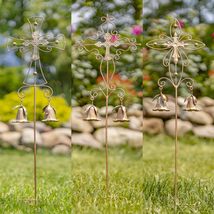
{"type": "Point", "coordinates": [175, 25]}
{"type": "Point", "coordinates": [34, 73]}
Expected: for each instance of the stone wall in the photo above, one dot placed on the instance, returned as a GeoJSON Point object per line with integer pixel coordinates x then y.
{"type": "Point", "coordinates": [91, 134]}
{"type": "Point", "coordinates": [20, 136]}
{"type": "Point", "coordinates": [199, 123]}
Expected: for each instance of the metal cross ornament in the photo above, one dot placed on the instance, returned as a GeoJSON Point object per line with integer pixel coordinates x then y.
{"type": "Point", "coordinates": [35, 42]}
{"type": "Point", "coordinates": [107, 45]}
{"type": "Point", "coordinates": [31, 46]}
{"type": "Point", "coordinates": [176, 45]}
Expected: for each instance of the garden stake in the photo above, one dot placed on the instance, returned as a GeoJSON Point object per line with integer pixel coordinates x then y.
{"type": "Point", "coordinates": [35, 42]}
{"type": "Point", "coordinates": [114, 45]}
{"type": "Point", "coordinates": [176, 46]}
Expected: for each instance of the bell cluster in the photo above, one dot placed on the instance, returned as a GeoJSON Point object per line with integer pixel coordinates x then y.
{"type": "Point", "coordinates": [92, 113]}
{"type": "Point", "coordinates": [162, 99]}
{"type": "Point", "coordinates": [49, 114]}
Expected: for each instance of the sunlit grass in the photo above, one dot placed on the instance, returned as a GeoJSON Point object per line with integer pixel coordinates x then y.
{"type": "Point", "coordinates": [141, 181]}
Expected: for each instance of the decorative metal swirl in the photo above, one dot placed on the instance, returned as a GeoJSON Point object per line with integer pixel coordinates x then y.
{"type": "Point", "coordinates": [189, 83]}
{"type": "Point", "coordinates": [21, 92]}
{"type": "Point", "coordinates": [48, 91]}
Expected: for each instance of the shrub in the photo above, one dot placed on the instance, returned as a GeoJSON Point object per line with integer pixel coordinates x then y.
{"type": "Point", "coordinates": [10, 78]}
{"type": "Point", "coordinates": [11, 100]}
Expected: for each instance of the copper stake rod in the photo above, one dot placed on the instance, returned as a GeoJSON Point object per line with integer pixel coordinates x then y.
{"type": "Point", "coordinates": [176, 45]}
{"type": "Point", "coordinates": [114, 45]}
{"type": "Point", "coordinates": [30, 46]}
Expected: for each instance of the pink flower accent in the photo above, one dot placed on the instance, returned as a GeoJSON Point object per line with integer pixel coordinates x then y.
{"type": "Point", "coordinates": [137, 30]}
{"type": "Point", "coordinates": [212, 35]}
{"type": "Point", "coordinates": [181, 23]}
{"type": "Point", "coordinates": [114, 38]}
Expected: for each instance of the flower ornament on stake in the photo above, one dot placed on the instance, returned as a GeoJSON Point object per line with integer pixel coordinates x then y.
{"type": "Point", "coordinates": [114, 45]}
{"type": "Point", "coordinates": [176, 45]}
{"type": "Point", "coordinates": [32, 45]}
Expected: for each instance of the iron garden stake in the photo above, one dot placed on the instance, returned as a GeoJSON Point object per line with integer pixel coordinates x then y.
{"type": "Point", "coordinates": [113, 44]}
{"type": "Point", "coordinates": [176, 45]}
{"type": "Point", "coordinates": [31, 46]}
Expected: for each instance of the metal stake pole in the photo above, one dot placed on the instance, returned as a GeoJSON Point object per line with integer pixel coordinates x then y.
{"type": "Point", "coordinates": [106, 124]}
{"type": "Point", "coordinates": [106, 141]}
{"type": "Point", "coordinates": [176, 150]}
{"type": "Point", "coordinates": [35, 149]}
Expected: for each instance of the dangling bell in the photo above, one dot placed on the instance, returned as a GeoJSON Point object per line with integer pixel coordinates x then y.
{"type": "Point", "coordinates": [21, 116]}
{"type": "Point", "coordinates": [91, 113]}
{"type": "Point", "coordinates": [50, 114]}
{"type": "Point", "coordinates": [191, 103]}
{"type": "Point", "coordinates": [121, 114]}
{"type": "Point", "coordinates": [161, 104]}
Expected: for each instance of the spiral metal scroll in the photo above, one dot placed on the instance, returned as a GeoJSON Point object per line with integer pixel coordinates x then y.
{"type": "Point", "coordinates": [47, 90]}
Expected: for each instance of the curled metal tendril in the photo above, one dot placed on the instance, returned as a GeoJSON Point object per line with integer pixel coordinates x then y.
{"type": "Point", "coordinates": [121, 93]}
{"type": "Point", "coordinates": [189, 83]}
{"type": "Point", "coordinates": [81, 47]}
{"type": "Point", "coordinates": [93, 94]}
{"type": "Point", "coordinates": [162, 82]}
{"type": "Point", "coordinates": [112, 86]}
{"type": "Point", "coordinates": [107, 19]}
{"type": "Point", "coordinates": [117, 54]}
{"type": "Point", "coordinates": [21, 92]}
{"type": "Point", "coordinates": [99, 57]}
{"type": "Point", "coordinates": [48, 91]}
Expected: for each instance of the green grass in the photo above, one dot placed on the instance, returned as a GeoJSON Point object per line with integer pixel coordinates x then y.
{"type": "Point", "coordinates": [139, 182]}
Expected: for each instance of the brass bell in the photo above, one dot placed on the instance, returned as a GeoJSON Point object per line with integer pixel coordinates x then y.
{"type": "Point", "coordinates": [191, 103]}
{"type": "Point", "coordinates": [121, 114]}
{"type": "Point", "coordinates": [50, 114]}
{"type": "Point", "coordinates": [21, 116]}
{"type": "Point", "coordinates": [91, 113]}
{"type": "Point", "coordinates": [161, 104]}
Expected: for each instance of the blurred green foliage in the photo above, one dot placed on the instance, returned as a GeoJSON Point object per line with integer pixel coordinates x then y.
{"type": "Point", "coordinates": [10, 79]}
{"type": "Point", "coordinates": [11, 100]}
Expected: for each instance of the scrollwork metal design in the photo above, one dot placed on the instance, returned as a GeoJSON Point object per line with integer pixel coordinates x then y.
{"type": "Point", "coordinates": [33, 44]}
{"type": "Point", "coordinates": [176, 45]}
{"type": "Point", "coordinates": [107, 38]}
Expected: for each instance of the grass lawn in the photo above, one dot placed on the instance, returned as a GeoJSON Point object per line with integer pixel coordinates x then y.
{"type": "Point", "coordinates": [138, 184]}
